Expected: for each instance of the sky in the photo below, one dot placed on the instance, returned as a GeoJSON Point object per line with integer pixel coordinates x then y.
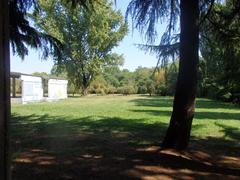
{"type": "Point", "coordinates": [133, 56]}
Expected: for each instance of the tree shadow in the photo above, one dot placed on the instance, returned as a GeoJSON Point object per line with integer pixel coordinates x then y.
{"type": "Point", "coordinates": [156, 101]}
{"type": "Point", "coordinates": [50, 147]}
{"type": "Point", "coordinates": [230, 132]}
{"type": "Point", "coordinates": [165, 101]}
{"type": "Point", "coordinates": [198, 115]}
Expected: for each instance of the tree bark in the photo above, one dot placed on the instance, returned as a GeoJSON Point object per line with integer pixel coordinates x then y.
{"type": "Point", "coordinates": [4, 90]}
{"type": "Point", "coordinates": [84, 90]}
{"type": "Point", "coordinates": [178, 133]}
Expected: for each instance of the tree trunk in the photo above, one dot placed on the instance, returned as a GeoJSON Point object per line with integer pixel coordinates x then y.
{"type": "Point", "coordinates": [4, 90]}
{"type": "Point", "coordinates": [178, 133]}
{"type": "Point", "coordinates": [84, 90]}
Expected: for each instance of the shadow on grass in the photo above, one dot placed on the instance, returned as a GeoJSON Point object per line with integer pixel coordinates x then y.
{"type": "Point", "coordinates": [230, 132]}
{"type": "Point", "coordinates": [198, 115]}
{"type": "Point", "coordinates": [201, 103]}
{"type": "Point", "coordinates": [165, 101]}
{"type": "Point", "coordinates": [49, 147]}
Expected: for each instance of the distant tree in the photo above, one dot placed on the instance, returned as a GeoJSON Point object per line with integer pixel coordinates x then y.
{"type": "Point", "coordinates": [160, 81]}
{"type": "Point", "coordinates": [166, 78]}
{"type": "Point", "coordinates": [171, 78]}
{"type": "Point", "coordinates": [111, 71]}
{"type": "Point", "coordinates": [87, 38]}
{"type": "Point", "coordinates": [142, 76]}
{"type": "Point", "coordinates": [150, 87]}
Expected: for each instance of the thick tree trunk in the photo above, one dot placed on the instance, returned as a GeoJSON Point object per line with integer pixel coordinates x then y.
{"type": "Point", "coordinates": [178, 133]}
{"type": "Point", "coordinates": [4, 90]}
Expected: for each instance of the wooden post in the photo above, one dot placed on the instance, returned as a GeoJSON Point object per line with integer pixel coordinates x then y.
{"type": "Point", "coordinates": [4, 90]}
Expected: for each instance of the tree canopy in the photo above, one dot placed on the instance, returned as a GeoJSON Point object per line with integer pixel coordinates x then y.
{"type": "Point", "coordinates": [87, 37]}
{"type": "Point", "coordinates": [22, 34]}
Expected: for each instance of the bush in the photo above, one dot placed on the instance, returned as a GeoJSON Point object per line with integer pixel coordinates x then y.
{"type": "Point", "coordinates": [112, 90]}
{"type": "Point", "coordinates": [100, 91]}
{"type": "Point", "coordinates": [126, 90]}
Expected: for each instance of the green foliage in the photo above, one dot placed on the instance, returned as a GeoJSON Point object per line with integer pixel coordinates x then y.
{"type": "Point", "coordinates": [166, 79]}
{"type": "Point", "coordinates": [99, 86]}
{"type": "Point", "coordinates": [24, 35]}
{"type": "Point", "coordinates": [150, 87]}
{"type": "Point", "coordinates": [127, 90]}
{"type": "Point", "coordinates": [87, 38]}
{"type": "Point", "coordinates": [220, 67]}
{"type": "Point", "coordinates": [142, 77]}
{"type": "Point", "coordinates": [140, 81]}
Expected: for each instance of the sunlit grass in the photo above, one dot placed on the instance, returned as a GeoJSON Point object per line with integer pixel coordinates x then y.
{"type": "Point", "coordinates": [143, 119]}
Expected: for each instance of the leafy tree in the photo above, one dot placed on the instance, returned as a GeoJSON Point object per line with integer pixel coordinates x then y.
{"type": "Point", "coordinates": [171, 78]}
{"type": "Point", "coordinates": [159, 78]}
{"type": "Point", "coordinates": [111, 71]}
{"type": "Point", "coordinates": [87, 38]}
{"type": "Point", "coordinates": [142, 78]}
{"type": "Point", "coordinates": [165, 79]}
{"type": "Point", "coordinates": [150, 87]}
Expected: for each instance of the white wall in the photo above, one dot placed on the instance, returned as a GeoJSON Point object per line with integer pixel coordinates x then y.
{"type": "Point", "coordinates": [57, 89]}
{"type": "Point", "coordinates": [32, 88]}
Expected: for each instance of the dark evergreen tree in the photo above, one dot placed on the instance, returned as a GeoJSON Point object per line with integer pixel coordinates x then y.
{"type": "Point", "coordinates": [186, 45]}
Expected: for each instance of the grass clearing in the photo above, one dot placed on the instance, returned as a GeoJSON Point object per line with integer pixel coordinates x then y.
{"type": "Point", "coordinates": [118, 137]}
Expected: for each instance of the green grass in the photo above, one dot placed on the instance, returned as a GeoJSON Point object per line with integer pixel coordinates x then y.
{"type": "Point", "coordinates": [106, 135]}
{"type": "Point", "coordinates": [143, 118]}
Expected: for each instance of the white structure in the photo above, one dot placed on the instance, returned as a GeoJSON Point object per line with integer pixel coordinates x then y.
{"type": "Point", "coordinates": [32, 88]}
{"type": "Point", "coordinates": [57, 89]}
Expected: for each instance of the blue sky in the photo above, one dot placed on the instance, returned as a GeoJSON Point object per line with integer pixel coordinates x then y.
{"type": "Point", "coordinates": [133, 56]}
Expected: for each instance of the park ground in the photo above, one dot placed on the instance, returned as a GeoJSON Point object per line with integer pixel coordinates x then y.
{"type": "Point", "coordinates": [119, 137]}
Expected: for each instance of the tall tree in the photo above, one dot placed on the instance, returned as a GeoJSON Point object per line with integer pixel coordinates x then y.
{"type": "Point", "coordinates": [149, 13]}
{"type": "Point", "coordinates": [178, 133]}
{"type": "Point", "coordinates": [87, 38]}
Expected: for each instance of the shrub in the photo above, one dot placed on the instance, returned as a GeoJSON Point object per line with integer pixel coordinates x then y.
{"type": "Point", "coordinates": [126, 90]}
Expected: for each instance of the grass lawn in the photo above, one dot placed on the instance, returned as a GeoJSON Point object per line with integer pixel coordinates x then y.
{"type": "Point", "coordinates": [119, 137]}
